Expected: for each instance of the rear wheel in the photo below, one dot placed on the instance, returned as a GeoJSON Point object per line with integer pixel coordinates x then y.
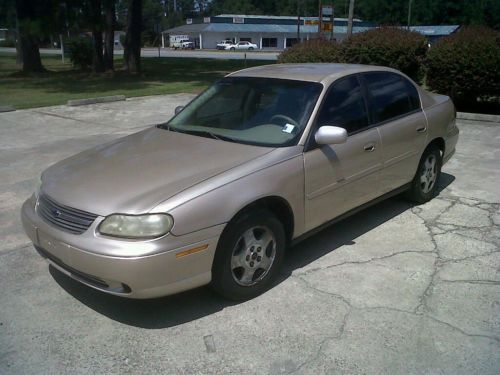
{"type": "Point", "coordinates": [425, 182]}
{"type": "Point", "coordinates": [248, 256]}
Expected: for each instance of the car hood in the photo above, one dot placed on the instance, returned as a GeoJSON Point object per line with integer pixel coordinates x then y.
{"type": "Point", "coordinates": [132, 174]}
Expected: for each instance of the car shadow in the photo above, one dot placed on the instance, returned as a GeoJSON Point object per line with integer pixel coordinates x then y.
{"type": "Point", "coordinates": [194, 304]}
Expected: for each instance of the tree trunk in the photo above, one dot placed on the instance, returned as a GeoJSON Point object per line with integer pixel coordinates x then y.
{"type": "Point", "coordinates": [132, 53]}
{"type": "Point", "coordinates": [109, 34]}
{"type": "Point", "coordinates": [97, 58]}
{"type": "Point", "coordinates": [27, 42]}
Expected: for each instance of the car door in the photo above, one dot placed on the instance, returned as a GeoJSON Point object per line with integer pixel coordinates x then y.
{"type": "Point", "coordinates": [395, 107]}
{"type": "Point", "coordinates": [341, 177]}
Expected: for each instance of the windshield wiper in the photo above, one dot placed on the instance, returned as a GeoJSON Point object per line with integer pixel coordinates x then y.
{"type": "Point", "coordinates": [202, 133]}
{"type": "Point", "coordinates": [205, 133]}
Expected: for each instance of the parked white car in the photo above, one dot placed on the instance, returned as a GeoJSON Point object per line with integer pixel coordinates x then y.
{"type": "Point", "coordinates": [248, 46]}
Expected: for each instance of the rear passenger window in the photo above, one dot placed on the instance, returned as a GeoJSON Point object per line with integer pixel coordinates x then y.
{"type": "Point", "coordinates": [344, 106]}
{"type": "Point", "coordinates": [413, 95]}
{"type": "Point", "coordinates": [392, 95]}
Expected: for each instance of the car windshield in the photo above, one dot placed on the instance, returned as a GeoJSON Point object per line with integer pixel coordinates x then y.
{"type": "Point", "coordinates": [260, 111]}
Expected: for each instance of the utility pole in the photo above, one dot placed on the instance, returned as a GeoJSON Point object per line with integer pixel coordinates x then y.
{"type": "Point", "coordinates": [298, 21]}
{"type": "Point", "coordinates": [333, 22]}
{"type": "Point", "coordinates": [409, 13]}
{"type": "Point", "coordinates": [320, 19]}
{"type": "Point", "coordinates": [351, 15]}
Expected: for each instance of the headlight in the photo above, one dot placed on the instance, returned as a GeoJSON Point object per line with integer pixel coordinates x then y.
{"type": "Point", "coordinates": [136, 226]}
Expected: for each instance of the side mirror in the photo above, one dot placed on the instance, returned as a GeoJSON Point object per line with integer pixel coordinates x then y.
{"type": "Point", "coordinates": [178, 109]}
{"type": "Point", "coordinates": [328, 135]}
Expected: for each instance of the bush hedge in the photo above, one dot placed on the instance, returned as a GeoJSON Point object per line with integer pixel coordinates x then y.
{"type": "Point", "coordinates": [80, 52]}
{"type": "Point", "coordinates": [314, 51]}
{"type": "Point", "coordinates": [466, 65]}
{"type": "Point", "coordinates": [388, 46]}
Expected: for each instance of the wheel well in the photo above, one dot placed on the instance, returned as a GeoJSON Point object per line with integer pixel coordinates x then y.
{"type": "Point", "coordinates": [279, 207]}
{"type": "Point", "coordinates": [439, 143]}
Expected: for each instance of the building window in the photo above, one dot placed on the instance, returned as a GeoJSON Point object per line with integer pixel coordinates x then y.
{"type": "Point", "coordinates": [246, 40]}
{"type": "Point", "coordinates": [290, 42]}
{"type": "Point", "coordinates": [269, 42]}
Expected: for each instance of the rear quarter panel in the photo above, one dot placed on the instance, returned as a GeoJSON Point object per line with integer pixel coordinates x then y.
{"type": "Point", "coordinates": [441, 120]}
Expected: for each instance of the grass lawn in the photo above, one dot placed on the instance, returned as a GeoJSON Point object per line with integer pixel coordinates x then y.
{"type": "Point", "coordinates": [61, 82]}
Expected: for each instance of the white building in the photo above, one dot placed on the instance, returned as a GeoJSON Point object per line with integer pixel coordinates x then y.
{"type": "Point", "coordinates": [268, 32]}
{"type": "Point", "coordinates": [276, 32]}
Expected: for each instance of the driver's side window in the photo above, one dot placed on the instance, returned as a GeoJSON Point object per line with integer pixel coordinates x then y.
{"type": "Point", "coordinates": [344, 106]}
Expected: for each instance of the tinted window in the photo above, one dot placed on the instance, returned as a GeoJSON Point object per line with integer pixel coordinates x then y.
{"type": "Point", "coordinates": [392, 95]}
{"type": "Point", "coordinates": [412, 94]}
{"type": "Point", "coordinates": [344, 106]}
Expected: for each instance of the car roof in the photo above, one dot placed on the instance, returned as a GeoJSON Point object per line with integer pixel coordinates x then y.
{"type": "Point", "coordinates": [313, 72]}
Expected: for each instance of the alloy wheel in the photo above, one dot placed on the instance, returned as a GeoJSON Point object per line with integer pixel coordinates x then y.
{"type": "Point", "coordinates": [253, 256]}
{"type": "Point", "coordinates": [428, 174]}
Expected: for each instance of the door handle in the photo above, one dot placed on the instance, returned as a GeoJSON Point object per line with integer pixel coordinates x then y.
{"type": "Point", "coordinates": [422, 129]}
{"type": "Point", "coordinates": [369, 148]}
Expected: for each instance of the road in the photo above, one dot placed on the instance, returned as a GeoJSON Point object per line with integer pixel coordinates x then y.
{"type": "Point", "coordinates": [395, 289]}
{"type": "Point", "coordinates": [167, 52]}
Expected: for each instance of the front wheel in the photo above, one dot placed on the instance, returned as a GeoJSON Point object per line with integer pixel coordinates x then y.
{"type": "Point", "coordinates": [248, 256]}
{"type": "Point", "coordinates": [232, 48]}
{"type": "Point", "coordinates": [250, 48]}
{"type": "Point", "coordinates": [425, 183]}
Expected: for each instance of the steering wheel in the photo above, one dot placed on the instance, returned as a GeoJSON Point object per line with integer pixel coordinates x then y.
{"type": "Point", "coordinates": [286, 118]}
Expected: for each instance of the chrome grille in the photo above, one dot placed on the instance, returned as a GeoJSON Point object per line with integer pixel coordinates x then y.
{"type": "Point", "coordinates": [65, 218]}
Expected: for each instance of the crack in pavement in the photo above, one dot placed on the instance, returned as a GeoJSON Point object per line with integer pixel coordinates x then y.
{"type": "Point", "coordinates": [422, 309]}
{"type": "Point", "coordinates": [15, 249]}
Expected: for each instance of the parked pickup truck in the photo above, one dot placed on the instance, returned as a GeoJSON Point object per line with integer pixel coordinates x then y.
{"type": "Point", "coordinates": [225, 44]}
{"type": "Point", "coordinates": [183, 44]}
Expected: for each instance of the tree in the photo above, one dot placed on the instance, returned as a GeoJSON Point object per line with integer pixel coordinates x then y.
{"type": "Point", "coordinates": [382, 12]}
{"type": "Point", "coordinates": [28, 29]}
{"type": "Point", "coordinates": [97, 57]}
{"type": "Point", "coordinates": [109, 33]}
{"type": "Point", "coordinates": [132, 52]}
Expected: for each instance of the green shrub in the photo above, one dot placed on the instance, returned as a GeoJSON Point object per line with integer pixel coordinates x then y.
{"type": "Point", "coordinates": [466, 65]}
{"type": "Point", "coordinates": [388, 46]}
{"type": "Point", "coordinates": [7, 43]}
{"type": "Point", "coordinates": [80, 52]}
{"type": "Point", "coordinates": [314, 51]}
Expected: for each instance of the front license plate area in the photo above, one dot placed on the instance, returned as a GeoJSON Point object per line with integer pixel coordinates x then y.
{"type": "Point", "coordinates": [56, 248]}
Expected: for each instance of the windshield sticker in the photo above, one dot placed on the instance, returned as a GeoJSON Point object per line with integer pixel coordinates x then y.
{"type": "Point", "coordinates": [288, 128]}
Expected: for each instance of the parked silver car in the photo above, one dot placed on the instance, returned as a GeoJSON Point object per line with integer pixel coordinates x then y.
{"type": "Point", "coordinates": [242, 46]}
{"type": "Point", "coordinates": [250, 166]}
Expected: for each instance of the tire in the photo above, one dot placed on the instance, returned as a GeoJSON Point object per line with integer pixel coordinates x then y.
{"type": "Point", "coordinates": [250, 48]}
{"type": "Point", "coordinates": [425, 183]}
{"type": "Point", "coordinates": [243, 266]}
{"type": "Point", "coordinates": [232, 48]}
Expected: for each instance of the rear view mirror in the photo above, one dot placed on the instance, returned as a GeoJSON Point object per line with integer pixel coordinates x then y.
{"type": "Point", "coordinates": [328, 135]}
{"type": "Point", "coordinates": [178, 109]}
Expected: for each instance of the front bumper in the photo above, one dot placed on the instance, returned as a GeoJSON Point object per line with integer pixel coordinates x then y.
{"type": "Point", "coordinates": [134, 269]}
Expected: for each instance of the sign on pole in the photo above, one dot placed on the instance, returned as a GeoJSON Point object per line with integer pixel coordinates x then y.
{"type": "Point", "coordinates": [327, 10]}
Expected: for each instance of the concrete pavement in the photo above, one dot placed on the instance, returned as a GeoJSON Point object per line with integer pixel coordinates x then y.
{"type": "Point", "coordinates": [395, 289]}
